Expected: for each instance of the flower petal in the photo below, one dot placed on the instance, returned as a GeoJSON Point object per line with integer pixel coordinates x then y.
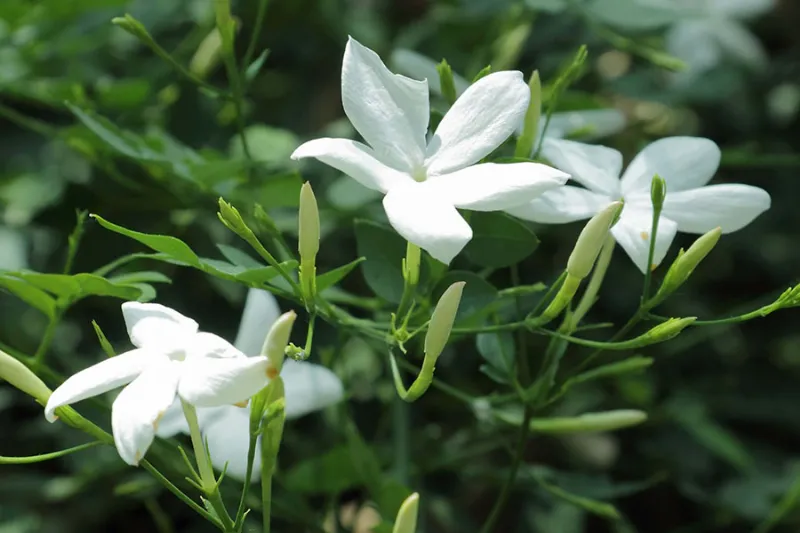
{"type": "Point", "coordinates": [561, 205]}
{"type": "Point", "coordinates": [173, 421]}
{"type": "Point", "coordinates": [632, 232]}
{"type": "Point", "coordinates": [309, 387]}
{"type": "Point", "coordinates": [227, 433]}
{"type": "Point", "coordinates": [206, 344]}
{"type": "Point", "coordinates": [589, 123]}
{"type": "Point", "coordinates": [430, 222]}
{"type": "Point", "coordinates": [157, 326]}
{"type": "Point", "coordinates": [420, 67]}
{"type": "Point", "coordinates": [210, 382]}
{"type": "Point", "coordinates": [138, 409]}
{"type": "Point", "coordinates": [481, 120]}
{"type": "Point", "coordinates": [693, 42]}
{"type": "Point", "coordinates": [102, 377]}
{"type": "Point", "coordinates": [741, 9]}
{"type": "Point", "coordinates": [390, 111]}
{"type": "Point", "coordinates": [354, 159]}
{"type": "Point", "coordinates": [492, 186]}
{"type": "Point", "coordinates": [729, 206]}
{"type": "Point", "coordinates": [595, 167]}
{"type": "Point", "coordinates": [260, 312]}
{"type": "Point", "coordinates": [740, 43]}
{"type": "Point", "coordinates": [683, 162]}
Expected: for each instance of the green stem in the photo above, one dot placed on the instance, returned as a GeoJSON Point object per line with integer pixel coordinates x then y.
{"type": "Point", "coordinates": [74, 240]}
{"type": "Point", "coordinates": [258, 22]}
{"type": "Point", "coordinates": [401, 436]}
{"type": "Point", "coordinates": [47, 456]}
{"type": "Point", "coordinates": [251, 456]}
{"type": "Point", "coordinates": [648, 273]}
{"type": "Point", "coordinates": [49, 333]}
{"type": "Point", "coordinates": [266, 502]}
{"type": "Point", "coordinates": [410, 279]}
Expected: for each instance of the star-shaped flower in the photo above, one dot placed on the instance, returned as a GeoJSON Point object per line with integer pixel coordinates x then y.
{"type": "Point", "coordinates": [171, 358]}
{"type": "Point", "coordinates": [685, 163]}
{"type": "Point", "coordinates": [308, 387]}
{"type": "Point", "coordinates": [425, 180]}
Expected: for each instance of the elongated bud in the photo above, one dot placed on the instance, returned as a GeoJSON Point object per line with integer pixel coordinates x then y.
{"type": "Point", "coordinates": [411, 264]}
{"type": "Point", "coordinates": [590, 422]}
{"type": "Point", "coordinates": [664, 331]}
{"type": "Point", "coordinates": [446, 81]}
{"type": "Point", "coordinates": [406, 521]}
{"type": "Point", "coordinates": [442, 321]}
{"type": "Point", "coordinates": [685, 263]}
{"type": "Point", "coordinates": [275, 343]}
{"type": "Point", "coordinates": [231, 218]}
{"type": "Point", "coordinates": [22, 378]}
{"type": "Point", "coordinates": [591, 241]}
{"type": "Point", "coordinates": [658, 191]}
{"type": "Point", "coordinates": [208, 54]}
{"type": "Point", "coordinates": [132, 26]}
{"type": "Point", "coordinates": [308, 242]}
{"type": "Point", "coordinates": [530, 127]}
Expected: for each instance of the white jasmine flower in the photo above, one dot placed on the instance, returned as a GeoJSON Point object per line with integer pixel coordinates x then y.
{"type": "Point", "coordinates": [424, 181]}
{"type": "Point", "coordinates": [691, 206]}
{"type": "Point", "coordinates": [171, 358]}
{"type": "Point", "coordinates": [588, 123]}
{"type": "Point", "coordinates": [308, 387]}
{"type": "Point", "coordinates": [716, 29]}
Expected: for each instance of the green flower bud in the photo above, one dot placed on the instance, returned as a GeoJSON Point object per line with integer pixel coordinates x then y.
{"type": "Point", "coordinates": [22, 378]}
{"type": "Point", "coordinates": [275, 343]}
{"type": "Point", "coordinates": [591, 241]}
{"type": "Point", "coordinates": [561, 300]}
{"type": "Point", "coordinates": [446, 82]}
{"type": "Point", "coordinates": [590, 422]}
{"type": "Point", "coordinates": [685, 263]}
{"type": "Point", "coordinates": [442, 321]}
{"type": "Point", "coordinates": [406, 521]}
{"type": "Point", "coordinates": [207, 55]}
{"type": "Point", "coordinates": [132, 26]}
{"type": "Point", "coordinates": [411, 264]}
{"type": "Point", "coordinates": [663, 332]}
{"type": "Point", "coordinates": [530, 127]}
{"type": "Point", "coordinates": [658, 191]}
{"type": "Point", "coordinates": [231, 218]}
{"type": "Point", "coordinates": [308, 245]}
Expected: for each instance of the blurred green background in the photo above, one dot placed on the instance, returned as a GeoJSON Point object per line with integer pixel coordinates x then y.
{"type": "Point", "coordinates": [720, 450]}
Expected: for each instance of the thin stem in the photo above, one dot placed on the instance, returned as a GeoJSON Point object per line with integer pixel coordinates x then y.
{"type": "Point", "coordinates": [522, 440]}
{"type": "Point", "coordinates": [266, 502]}
{"type": "Point", "coordinates": [522, 350]}
{"type": "Point", "coordinates": [648, 273]}
{"type": "Point", "coordinates": [549, 294]}
{"type": "Point", "coordinates": [401, 436]}
{"type": "Point", "coordinates": [439, 384]}
{"type": "Point", "coordinates": [410, 279]}
{"type": "Point", "coordinates": [49, 333]}
{"type": "Point", "coordinates": [635, 319]}
{"type": "Point", "coordinates": [310, 334]}
{"type": "Point", "coordinates": [179, 493]}
{"type": "Point", "coordinates": [257, 24]}
{"type": "Point", "coordinates": [30, 459]}
{"type": "Point", "coordinates": [598, 275]}
{"type": "Point", "coordinates": [74, 240]}
{"type": "Point", "coordinates": [251, 456]}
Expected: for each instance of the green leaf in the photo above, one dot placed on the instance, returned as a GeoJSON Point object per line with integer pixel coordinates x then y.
{"type": "Point", "coordinates": [239, 257]}
{"type": "Point", "coordinates": [331, 278]}
{"type": "Point", "coordinates": [145, 276]}
{"type": "Point", "coordinates": [347, 194]}
{"type": "Point", "coordinates": [606, 510]}
{"type": "Point", "coordinates": [34, 297]}
{"type": "Point", "coordinates": [255, 67]}
{"type": "Point", "coordinates": [633, 364]}
{"type": "Point", "coordinates": [79, 285]}
{"type": "Point", "coordinates": [330, 473]}
{"type": "Point", "coordinates": [174, 248]}
{"type": "Point", "coordinates": [264, 274]}
{"type": "Point", "coordinates": [107, 348]}
{"type": "Point", "coordinates": [782, 508]}
{"type": "Point", "coordinates": [497, 349]}
{"type": "Point", "coordinates": [383, 250]}
{"type": "Point", "coordinates": [499, 241]}
{"type": "Point", "coordinates": [477, 297]}
{"type": "Point", "coordinates": [124, 142]}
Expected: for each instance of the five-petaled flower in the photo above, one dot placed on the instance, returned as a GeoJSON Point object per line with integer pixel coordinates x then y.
{"type": "Point", "coordinates": [685, 163]}
{"type": "Point", "coordinates": [171, 358]}
{"type": "Point", "coordinates": [308, 387]}
{"type": "Point", "coordinates": [425, 180]}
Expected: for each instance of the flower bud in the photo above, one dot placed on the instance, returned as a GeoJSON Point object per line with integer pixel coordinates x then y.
{"type": "Point", "coordinates": [658, 191]}
{"type": "Point", "coordinates": [664, 331]}
{"type": "Point", "coordinates": [685, 263]}
{"type": "Point", "coordinates": [276, 341]}
{"type": "Point", "coordinates": [132, 26]}
{"type": "Point", "coordinates": [231, 218]}
{"type": "Point", "coordinates": [308, 245]}
{"type": "Point", "coordinates": [446, 81]}
{"type": "Point", "coordinates": [442, 321]}
{"type": "Point", "coordinates": [561, 300]}
{"type": "Point", "coordinates": [591, 241]}
{"type": "Point", "coordinates": [207, 55]}
{"type": "Point", "coordinates": [406, 521]}
{"type": "Point", "coordinates": [22, 378]}
{"type": "Point", "coordinates": [590, 422]}
{"type": "Point", "coordinates": [530, 126]}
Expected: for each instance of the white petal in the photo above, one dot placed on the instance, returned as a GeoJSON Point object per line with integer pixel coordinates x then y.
{"type": "Point", "coordinates": [309, 387]}
{"type": "Point", "coordinates": [102, 377]}
{"type": "Point", "coordinates": [595, 167]}
{"type": "Point", "coordinates": [741, 9]}
{"type": "Point", "coordinates": [632, 232]}
{"type": "Point", "coordinates": [390, 111]}
{"type": "Point", "coordinates": [420, 67]}
{"type": "Point", "coordinates": [693, 42]}
{"type": "Point", "coordinates": [683, 162]}
{"type": "Point", "coordinates": [739, 43]}
{"type": "Point", "coordinates": [210, 382]}
{"type": "Point", "coordinates": [729, 206]}
{"type": "Point", "coordinates": [492, 186]}
{"type": "Point", "coordinates": [589, 123]}
{"type": "Point", "coordinates": [206, 344]}
{"type": "Point", "coordinates": [15, 249]}
{"type": "Point", "coordinates": [157, 326]}
{"type": "Point", "coordinates": [561, 205]}
{"type": "Point", "coordinates": [481, 120]}
{"type": "Point", "coordinates": [427, 221]}
{"type": "Point", "coordinates": [227, 432]}
{"type": "Point", "coordinates": [137, 410]}
{"type": "Point", "coordinates": [354, 159]}
{"type": "Point", "coordinates": [173, 421]}
{"type": "Point", "coordinates": [260, 312]}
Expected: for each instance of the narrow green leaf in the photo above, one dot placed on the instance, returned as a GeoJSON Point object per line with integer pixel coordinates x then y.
{"type": "Point", "coordinates": [170, 246]}
{"type": "Point", "coordinates": [107, 348]}
{"type": "Point", "coordinates": [606, 510]}
{"type": "Point", "coordinates": [145, 276]}
{"type": "Point", "coordinates": [239, 257]}
{"type": "Point", "coordinates": [497, 349]}
{"type": "Point", "coordinates": [633, 364]}
{"type": "Point", "coordinates": [80, 285]}
{"type": "Point", "coordinates": [34, 297]}
{"type": "Point", "coordinates": [784, 506]}
{"type": "Point", "coordinates": [331, 278]}
{"type": "Point", "coordinates": [264, 274]}
{"type": "Point", "coordinates": [122, 141]}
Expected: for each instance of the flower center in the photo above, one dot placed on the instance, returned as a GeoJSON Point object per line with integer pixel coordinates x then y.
{"type": "Point", "coordinates": [419, 174]}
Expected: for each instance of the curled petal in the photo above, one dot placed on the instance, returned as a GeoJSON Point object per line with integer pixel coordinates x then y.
{"type": "Point", "coordinates": [481, 120]}
{"type": "Point", "coordinates": [102, 377]}
{"type": "Point", "coordinates": [595, 167]}
{"type": "Point", "coordinates": [430, 222]}
{"type": "Point", "coordinates": [561, 205]}
{"type": "Point", "coordinates": [390, 111]}
{"type": "Point", "coordinates": [228, 435]}
{"type": "Point", "coordinates": [729, 206]}
{"type": "Point", "coordinates": [137, 411]}
{"type": "Point", "coordinates": [157, 326]}
{"type": "Point", "coordinates": [260, 312]}
{"type": "Point", "coordinates": [493, 187]}
{"type": "Point", "coordinates": [632, 232]}
{"type": "Point", "coordinates": [683, 162]}
{"type": "Point", "coordinates": [354, 159]}
{"type": "Point", "coordinates": [210, 382]}
{"type": "Point", "coordinates": [309, 387]}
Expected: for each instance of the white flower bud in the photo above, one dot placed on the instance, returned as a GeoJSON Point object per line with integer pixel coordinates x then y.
{"type": "Point", "coordinates": [275, 343]}
{"type": "Point", "coordinates": [442, 321]}
{"type": "Point", "coordinates": [591, 241]}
